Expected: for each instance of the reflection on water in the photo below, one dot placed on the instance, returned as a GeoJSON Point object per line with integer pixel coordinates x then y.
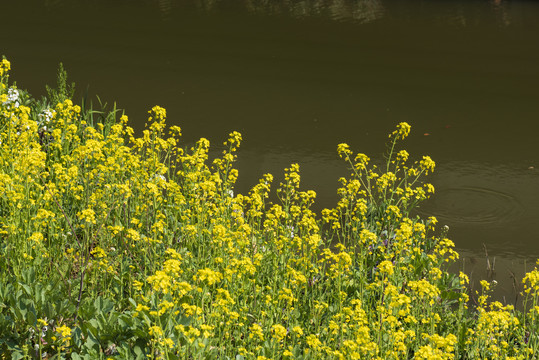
{"type": "Point", "coordinates": [354, 10]}
{"type": "Point", "coordinates": [502, 9]}
{"type": "Point", "coordinates": [360, 11]}
{"type": "Point", "coordinates": [458, 13]}
{"type": "Point", "coordinates": [165, 7]}
{"type": "Point", "coordinates": [341, 10]}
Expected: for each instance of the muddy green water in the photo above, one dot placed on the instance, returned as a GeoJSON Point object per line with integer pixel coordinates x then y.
{"type": "Point", "coordinates": [298, 77]}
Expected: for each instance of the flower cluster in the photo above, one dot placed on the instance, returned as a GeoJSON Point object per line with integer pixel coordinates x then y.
{"type": "Point", "coordinates": [131, 246]}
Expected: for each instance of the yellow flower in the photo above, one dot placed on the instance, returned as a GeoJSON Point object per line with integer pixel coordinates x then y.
{"type": "Point", "coordinates": [87, 215]}
{"type": "Point", "coordinates": [160, 281]}
{"type": "Point", "coordinates": [36, 237]}
{"type": "Point", "coordinates": [427, 164]}
{"type": "Point", "coordinates": [362, 161]}
{"type": "Point", "coordinates": [297, 330]}
{"type": "Point", "coordinates": [402, 131]}
{"type": "Point", "coordinates": [137, 285]}
{"type": "Point", "coordinates": [209, 276]}
{"type": "Point", "coordinates": [256, 332]}
{"type": "Point", "coordinates": [206, 330]}
{"type": "Point", "coordinates": [64, 331]}
{"type": "Point", "coordinates": [155, 331]}
{"type": "Point", "coordinates": [167, 342]}
{"type": "Point", "coordinates": [402, 156]}
{"type": "Point", "coordinates": [98, 252]}
{"type": "Point", "coordinates": [386, 267]}
{"type": "Point", "coordinates": [428, 353]}
{"type": "Point", "coordinates": [531, 281]}
{"type": "Point", "coordinates": [314, 342]}
{"type": "Point", "coordinates": [5, 66]}
{"type": "Point", "coordinates": [279, 332]}
{"type": "Point", "coordinates": [344, 150]}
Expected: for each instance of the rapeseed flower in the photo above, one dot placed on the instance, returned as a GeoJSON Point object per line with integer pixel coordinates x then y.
{"type": "Point", "coordinates": [208, 271]}
{"type": "Point", "coordinates": [386, 268]}
{"type": "Point", "coordinates": [402, 131]}
{"type": "Point", "coordinates": [5, 66]}
{"type": "Point", "coordinates": [65, 333]}
{"type": "Point", "coordinates": [279, 332]}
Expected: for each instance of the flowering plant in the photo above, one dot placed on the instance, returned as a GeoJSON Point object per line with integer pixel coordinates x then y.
{"type": "Point", "coordinates": [121, 246]}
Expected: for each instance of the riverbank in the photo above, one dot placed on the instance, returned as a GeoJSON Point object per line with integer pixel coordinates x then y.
{"type": "Point", "coordinates": [119, 246]}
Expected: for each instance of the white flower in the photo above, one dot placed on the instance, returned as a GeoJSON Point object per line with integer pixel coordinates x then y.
{"type": "Point", "coordinates": [46, 116]}
{"type": "Point", "coordinates": [158, 179]}
{"type": "Point", "coordinates": [292, 231]}
{"type": "Point", "coordinates": [13, 94]}
{"type": "Point", "coordinates": [12, 97]}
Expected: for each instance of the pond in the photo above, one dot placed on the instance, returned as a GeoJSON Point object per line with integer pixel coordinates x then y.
{"type": "Point", "coordinates": [298, 77]}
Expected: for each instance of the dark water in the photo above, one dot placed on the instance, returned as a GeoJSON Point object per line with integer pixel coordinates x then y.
{"type": "Point", "coordinates": [298, 77]}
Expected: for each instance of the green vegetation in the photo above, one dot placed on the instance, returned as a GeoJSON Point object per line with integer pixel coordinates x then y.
{"type": "Point", "coordinates": [121, 247]}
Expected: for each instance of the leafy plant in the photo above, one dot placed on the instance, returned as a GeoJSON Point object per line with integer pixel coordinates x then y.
{"type": "Point", "coordinates": [63, 90]}
{"type": "Point", "coordinates": [125, 246]}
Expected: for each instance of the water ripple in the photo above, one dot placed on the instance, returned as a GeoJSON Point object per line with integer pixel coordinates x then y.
{"type": "Point", "coordinates": [474, 205]}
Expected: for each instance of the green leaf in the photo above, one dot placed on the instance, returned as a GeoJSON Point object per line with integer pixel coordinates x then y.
{"type": "Point", "coordinates": [17, 355]}
{"type": "Point", "coordinates": [26, 288]}
{"type": "Point", "coordinates": [76, 336]}
{"type": "Point", "coordinates": [138, 352]}
{"type": "Point", "coordinates": [16, 351]}
{"type": "Point", "coordinates": [92, 343]}
{"type": "Point", "coordinates": [32, 317]}
{"type": "Point", "coordinates": [125, 321]}
{"type": "Point", "coordinates": [95, 325]}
